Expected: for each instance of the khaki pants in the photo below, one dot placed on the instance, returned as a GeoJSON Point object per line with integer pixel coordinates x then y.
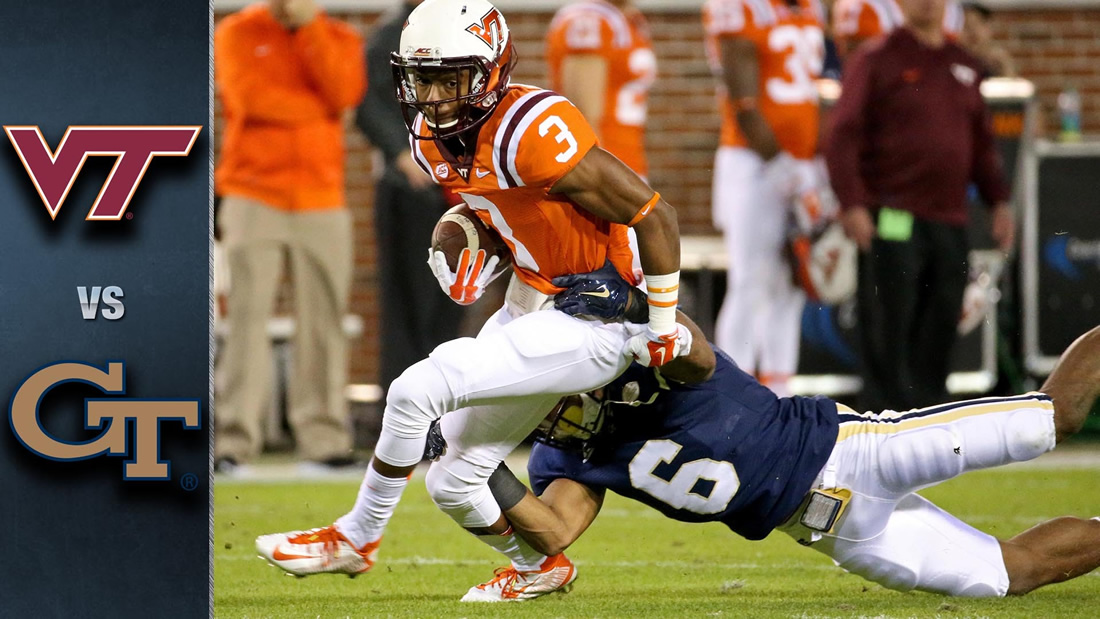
{"type": "Point", "coordinates": [318, 246]}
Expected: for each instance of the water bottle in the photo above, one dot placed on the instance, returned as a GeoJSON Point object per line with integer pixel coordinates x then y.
{"type": "Point", "coordinates": [1069, 109]}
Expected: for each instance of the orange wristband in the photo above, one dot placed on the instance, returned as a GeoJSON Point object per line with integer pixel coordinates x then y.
{"type": "Point", "coordinates": [640, 215]}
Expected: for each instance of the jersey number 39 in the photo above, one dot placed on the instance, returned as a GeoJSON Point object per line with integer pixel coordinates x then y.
{"type": "Point", "coordinates": [804, 49]}
{"type": "Point", "coordinates": [682, 491]}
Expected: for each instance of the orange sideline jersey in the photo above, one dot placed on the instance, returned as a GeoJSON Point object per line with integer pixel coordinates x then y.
{"type": "Point", "coordinates": [622, 39]}
{"type": "Point", "coordinates": [857, 20]}
{"type": "Point", "coordinates": [790, 47]}
{"type": "Point", "coordinates": [533, 138]}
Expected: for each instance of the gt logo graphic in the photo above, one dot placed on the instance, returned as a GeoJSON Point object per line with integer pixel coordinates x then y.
{"type": "Point", "coordinates": [144, 463]}
{"type": "Point", "coordinates": [489, 30]}
{"type": "Point", "coordinates": [53, 174]}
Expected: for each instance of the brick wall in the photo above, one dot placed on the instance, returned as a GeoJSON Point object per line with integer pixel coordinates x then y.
{"type": "Point", "coordinates": [1051, 47]}
{"type": "Point", "coordinates": [1054, 48]}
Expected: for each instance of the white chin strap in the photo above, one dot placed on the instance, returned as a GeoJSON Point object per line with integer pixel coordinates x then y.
{"type": "Point", "coordinates": [447, 125]}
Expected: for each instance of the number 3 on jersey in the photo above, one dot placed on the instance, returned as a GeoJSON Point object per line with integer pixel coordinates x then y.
{"type": "Point", "coordinates": [564, 135]}
{"type": "Point", "coordinates": [682, 490]}
{"type": "Point", "coordinates": [805, 57]}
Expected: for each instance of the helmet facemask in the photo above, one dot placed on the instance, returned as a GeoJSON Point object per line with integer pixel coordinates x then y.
{"type": "Point", "coordinates": [477, 83]}
{"type": "Point", "coordinates": [573, 425]}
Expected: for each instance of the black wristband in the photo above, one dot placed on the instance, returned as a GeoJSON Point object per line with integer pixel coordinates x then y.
{"type": "Point", "coordinates": [506, 489]}
{"type": "Point", "coordinates": [637, 308]}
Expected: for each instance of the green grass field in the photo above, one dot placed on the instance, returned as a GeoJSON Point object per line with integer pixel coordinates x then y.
{"type": "Point", "coordinates": [631, 563]}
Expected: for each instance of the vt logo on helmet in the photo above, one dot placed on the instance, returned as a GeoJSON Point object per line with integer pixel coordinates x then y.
{"type": "Point", "coordinates": [489, 30]}
{"type": "Point", "coordinates": [453, 65]}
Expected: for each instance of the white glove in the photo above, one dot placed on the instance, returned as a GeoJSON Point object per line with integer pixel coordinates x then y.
{"type": "Point", "coordinates": [784, 175]}
{"type": "Point", "coordinates": [656, 349]}
{"type": "Point", "coordinates": [468, 284]}
{"type": "Point", "coordinates": [979, 297]}
{"type": "Point", "coordinates": [814, 205]}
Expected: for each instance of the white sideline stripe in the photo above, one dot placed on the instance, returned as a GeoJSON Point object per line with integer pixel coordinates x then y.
{"type": "Point", "coordinates": [693, 565]}
{"type": "Point", "coordinates": [682, 565]}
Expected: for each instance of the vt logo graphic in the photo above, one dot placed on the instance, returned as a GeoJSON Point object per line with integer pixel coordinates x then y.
{"type": "Point", "coordinates": [111, 414]}
{"type": "Point", "coordinates": [53, 173]}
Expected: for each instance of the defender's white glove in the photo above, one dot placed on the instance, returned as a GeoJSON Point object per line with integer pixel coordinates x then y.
{"type": "Point", "coordinates": [468, 284]}
{"type": "Point", "coordinates": [656, 349]}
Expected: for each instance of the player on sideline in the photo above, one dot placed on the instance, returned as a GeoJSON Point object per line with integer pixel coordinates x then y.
{"type": "Point", "coordinates": [599, 55]}
{"type": "Point", "coordinates": [527, 162]}
{"type": "Point", "coordinates": [728, 450]}
{"type": "Point", "coordinates": [766, 55]}
{"type": "Point", "coordinates": [855, 21]}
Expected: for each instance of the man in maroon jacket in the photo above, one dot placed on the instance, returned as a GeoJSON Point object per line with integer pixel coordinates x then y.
{"type": "Point", "coordinates": [909, 133]}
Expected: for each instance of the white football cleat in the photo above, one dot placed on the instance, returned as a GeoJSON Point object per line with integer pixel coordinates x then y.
{"type": "Point", "coordinates": [317, 551]}
{"type": "Point", "coordinates": [557, 573]}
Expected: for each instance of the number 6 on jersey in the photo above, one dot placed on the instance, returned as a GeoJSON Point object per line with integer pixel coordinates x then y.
{"type": "Point", "coordinates": [683, 490]}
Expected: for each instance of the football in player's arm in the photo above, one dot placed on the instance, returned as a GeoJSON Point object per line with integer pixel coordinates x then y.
{"type": "Point", "coordinates": [839, 495]}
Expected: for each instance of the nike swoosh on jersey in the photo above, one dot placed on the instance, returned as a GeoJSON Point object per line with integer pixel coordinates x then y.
{"type": "Point", "coordinates": [662, 352]}
{"type": "Point", "coordinates": [601, 293]}
{"type": "Point", "coordinates": [481, 173]}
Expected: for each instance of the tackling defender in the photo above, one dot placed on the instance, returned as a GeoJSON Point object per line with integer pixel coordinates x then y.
{"type": "Point", "coordinates": [728, 450]}
{"type": "Point", "coordinates": [526, 161]}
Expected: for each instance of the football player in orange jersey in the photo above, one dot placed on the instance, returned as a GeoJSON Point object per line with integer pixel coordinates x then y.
{"type": "Point", "coordinates": [855, 21]}
{"type": "Point", "coordinates": [766, 55]}
{"type": "Point", "coordinates": [527, 162]}
{"type": "Point", "coordinates": [600, 57]}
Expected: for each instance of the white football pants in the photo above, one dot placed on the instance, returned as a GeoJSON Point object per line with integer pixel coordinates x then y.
{"type": "Point", "coordinates": [759, 324]}
{"type": "Point", "coordinates": [491, 392]}
{"type": "Point", "coordinates": [892, 536]}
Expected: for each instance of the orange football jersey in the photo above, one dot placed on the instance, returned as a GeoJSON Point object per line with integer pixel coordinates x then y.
{"type": "Point", "coordinates": [857, 20]}
{"type": "Point", "coordinates": [790, 47]}
{"type": "Point", "coordinates": [863, 19]}
{"type": "Point", "coordinates": [532, 139]}
{"type": "Point", "coordinates": [622, 38]}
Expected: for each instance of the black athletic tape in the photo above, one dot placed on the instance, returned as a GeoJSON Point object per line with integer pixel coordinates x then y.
{"type": "Point", "coordinates": [506, 489]}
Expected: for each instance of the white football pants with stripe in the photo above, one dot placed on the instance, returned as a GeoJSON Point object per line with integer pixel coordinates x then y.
{"type": "Point", "coordinates": [892, 536]}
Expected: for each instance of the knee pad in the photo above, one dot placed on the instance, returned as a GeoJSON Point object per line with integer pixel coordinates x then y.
{"type": "Point", "coordinates": [469, 504]}
{"type": "Point", "coordinates": [914, 459]}
{"type": "Point", "coordinates": [1030, 434]}
{"type": "Point", "coordinates": [871, 565]}
{"type": "Point", "coordinates": [416, 399]}
{"type": "Point", "coordinates": [925, 548]}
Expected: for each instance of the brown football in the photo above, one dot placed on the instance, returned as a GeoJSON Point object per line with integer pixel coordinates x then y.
{"type": "Point", "coordinates": [460, 228]}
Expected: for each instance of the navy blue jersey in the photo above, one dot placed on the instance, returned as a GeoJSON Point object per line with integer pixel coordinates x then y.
{"type": "Point", "coordinates": [727, 450]}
